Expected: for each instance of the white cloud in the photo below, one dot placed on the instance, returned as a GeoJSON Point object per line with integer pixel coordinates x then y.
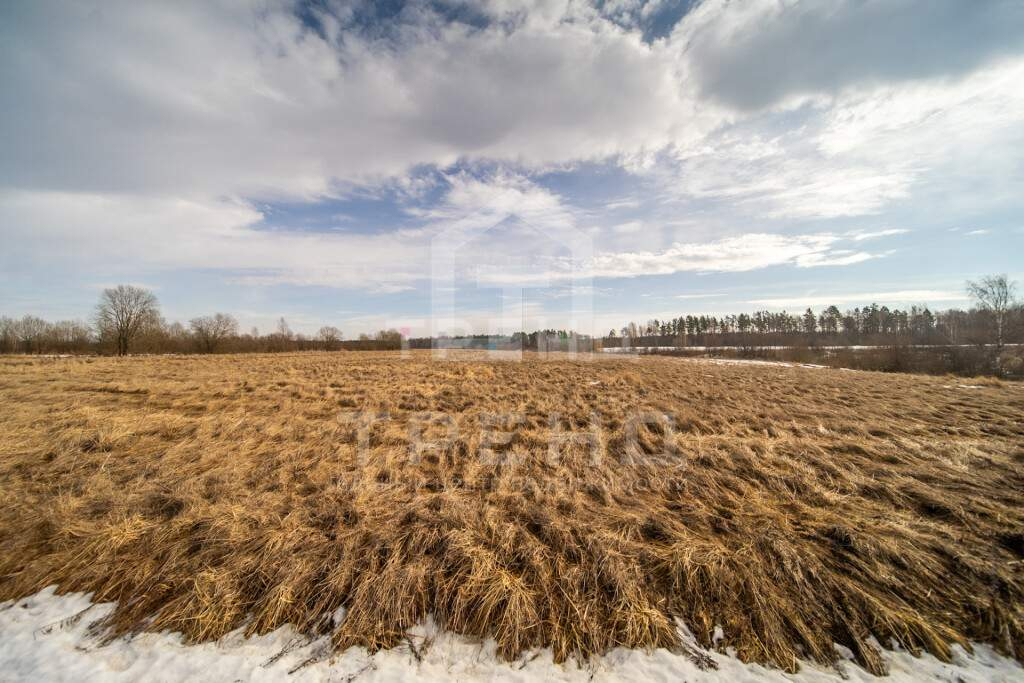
{"type": "Point", "coordinates": [629, 228]}
{"type": "Point", "coordinates": [768, 168]}
{"type": "Point", "coordinates": [838, 257]}
{"type": "Point", "coordinates": [139, 137]}
{"type": "Point", "coordinates": [630, 203]}
{"type": "Point", "coordinates": [858, 236]}
{"type": "Point", "coordinates": [866, 150]}
{"type": "Point", "coordinates": [224, 99]}
{"type": "Point", "coordinates": [110, 234]}
{"type": "Point", "coordinates": [761, 53]}
{"type": "Point", "coordinates": [745, 252]}
{"type": "Point", "coordinates": [507, 231]}
{"type": "Point", "coordinates": [977, 232]}
{"type": "Point", "coordinates": [228, 98]}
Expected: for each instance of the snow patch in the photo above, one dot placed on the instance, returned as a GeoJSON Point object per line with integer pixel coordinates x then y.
{"type": "Point", "coordinates": [45, 638]}
{"type": "Point", "coordinates": [753, 361]}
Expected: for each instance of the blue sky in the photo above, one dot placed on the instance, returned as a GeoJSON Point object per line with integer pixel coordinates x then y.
{"type": "Point", "coordinates": [486, 165]}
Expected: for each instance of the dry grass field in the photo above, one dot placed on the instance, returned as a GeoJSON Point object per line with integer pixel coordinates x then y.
{"type": "Point", "coordinates": [539, 503]}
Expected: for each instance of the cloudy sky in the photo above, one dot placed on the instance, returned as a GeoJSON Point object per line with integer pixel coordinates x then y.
{"type": "Point", "coordinates": [491, 164]}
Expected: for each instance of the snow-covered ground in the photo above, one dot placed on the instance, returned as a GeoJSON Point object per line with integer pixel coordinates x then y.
{"type": "Point", "coordinates": [754, 361]}
{"type": "Point", "coordinates": [46, 638]}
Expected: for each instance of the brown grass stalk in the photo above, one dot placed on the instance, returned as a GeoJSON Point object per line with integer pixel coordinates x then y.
{"type": "Point", "coordinates": [793, 507]}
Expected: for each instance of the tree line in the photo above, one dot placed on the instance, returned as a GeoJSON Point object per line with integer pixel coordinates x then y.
{"type": "Point", "coordinates": [127, 319]}
{"type": "Point", "coordinates": [996, 318]}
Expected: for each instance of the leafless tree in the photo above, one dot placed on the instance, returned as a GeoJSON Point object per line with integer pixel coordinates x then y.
{"type": "Point", "coordinates": [31, 332]}
{"type": "Point", "coordinates": [995, 294]}
{"type": "Point", "coordinates": [211, 330]}
{"type": "Point", "coordinates": [8, 335]}
{"type": "Point", "coordinates": [122, 312]}
{"type": "Point", "coordinates": [329, 335]}
{"type": "Point", "coordinates": [69, 335]}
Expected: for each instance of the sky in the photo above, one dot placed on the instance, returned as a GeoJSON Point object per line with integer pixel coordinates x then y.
{"type": "Point", "coordinates": [494, 165]}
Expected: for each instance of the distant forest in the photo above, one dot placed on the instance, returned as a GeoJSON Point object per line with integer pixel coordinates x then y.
{"type": "Point", "coordinates": [869, 325]}
{"type": "Point", "coordinates": [128, 320]}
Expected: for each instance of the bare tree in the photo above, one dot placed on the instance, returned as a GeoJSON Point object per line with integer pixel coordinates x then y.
{"type": "Point", "coordinates": [211, 330]}
{"type": "Point", "coordinates": [995, 294]}
{"type": "Point", "coordinates": [122, 312]}
{"type": "Point", "coordinates": [31, 332]}
{"type": "Point", "coordinates": [329, 335]}
{"type": "Point", "coordinates": [69, 335]}
{"type": "Point", "coordinates": [8, 335]}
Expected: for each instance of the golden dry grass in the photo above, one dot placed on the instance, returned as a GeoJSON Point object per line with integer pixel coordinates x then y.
{"type": "Point", "coordinates": [794, 507]}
